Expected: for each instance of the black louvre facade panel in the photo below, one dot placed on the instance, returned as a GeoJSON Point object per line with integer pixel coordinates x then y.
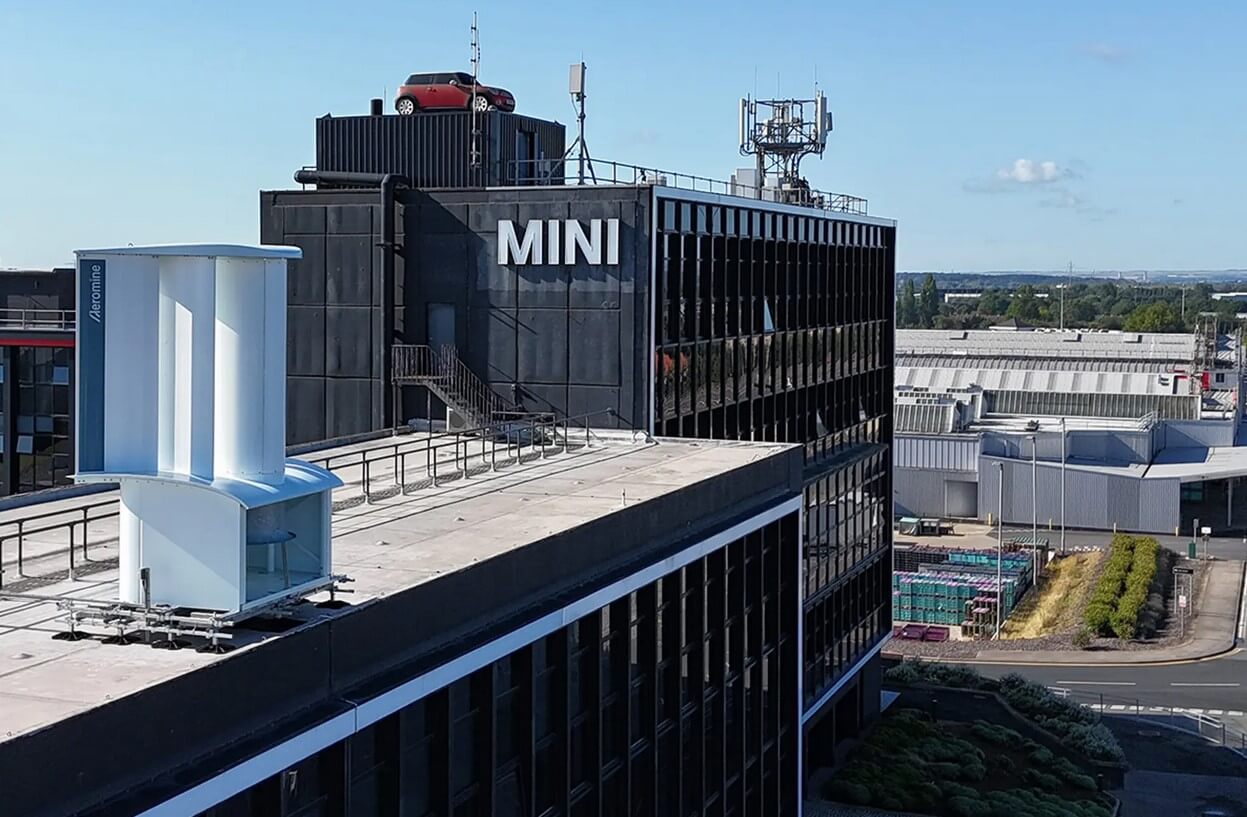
{"type": "Point", "coordinates": [776, 324]}
{"type": "Point", "coordinates": [432, 149]}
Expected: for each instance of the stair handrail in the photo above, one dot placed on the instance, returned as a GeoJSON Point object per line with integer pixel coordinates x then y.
{"type": "Point", "coordinates": [461, 381]}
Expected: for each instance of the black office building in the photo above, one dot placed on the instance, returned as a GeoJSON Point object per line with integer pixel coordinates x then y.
{"type": "Point", "coordinates": [36, 379]}
{"type": "Point", "coordinates": [690, 314]}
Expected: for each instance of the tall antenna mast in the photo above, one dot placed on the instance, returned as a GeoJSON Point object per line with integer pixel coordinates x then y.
{"type": "Point", "coordinates": [474, 151]}
{"type": "Point", "coordinates": [576, 87]}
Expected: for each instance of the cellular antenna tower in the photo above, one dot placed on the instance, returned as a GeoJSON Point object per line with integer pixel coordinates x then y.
{"type": "Point", "coordinates": [780, 133]}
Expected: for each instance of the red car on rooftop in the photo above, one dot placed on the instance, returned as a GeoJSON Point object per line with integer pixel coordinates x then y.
{"type": "Point", "coordinates": [449, 91]}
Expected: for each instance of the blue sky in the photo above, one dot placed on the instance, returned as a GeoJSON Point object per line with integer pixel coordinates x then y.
{"type": "Point", "coordinates": [1000, 135]}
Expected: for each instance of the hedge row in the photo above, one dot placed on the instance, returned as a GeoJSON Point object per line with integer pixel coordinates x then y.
{"type": "Point", "coordinates": [1121, 594]}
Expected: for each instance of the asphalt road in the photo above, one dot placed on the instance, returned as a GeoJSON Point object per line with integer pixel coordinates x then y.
{"type": "Point", "coordinates": [1218, 683]}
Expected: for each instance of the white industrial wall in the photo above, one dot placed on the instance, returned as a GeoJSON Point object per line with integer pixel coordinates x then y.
{"type": "Point", "coordinates": [1197, 433]}
{"type": "Point", "coordinates": [1100, 446]}
{"type": "Point", "coordinates": [1093, 499]}
{"type": "Point", "coordinates": [943, 452]}
{"type": "Point", "coordinates": [925, 492]}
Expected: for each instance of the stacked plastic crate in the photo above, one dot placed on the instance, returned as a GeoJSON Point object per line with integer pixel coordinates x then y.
{"type": "Point", "coordinates": [956, 587]}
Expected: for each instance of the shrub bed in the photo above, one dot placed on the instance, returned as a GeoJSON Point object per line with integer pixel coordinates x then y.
{"type": "Point", "coordinates": [910, 763]}
{"type": "Point", "coordinates": [933, 672]}
{"type": "Point", "coordinates": [1121, 595]}
{"type": "Point", "coordinates": [1076, 726]}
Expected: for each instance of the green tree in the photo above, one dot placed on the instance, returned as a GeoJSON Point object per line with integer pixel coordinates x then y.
{"type": "Point", "coordinates": [993, 302]}
{"type": "Point", "coordinates": [1024, 304]}
{"type": "Point", "coordinates": [928, 302]}
{"type": "Point", "coordinates": [1154, 317]}
{"type": "Point", "coordinates": [907, 306]}
{"type": "Point", "coordinates": [1080, 313]}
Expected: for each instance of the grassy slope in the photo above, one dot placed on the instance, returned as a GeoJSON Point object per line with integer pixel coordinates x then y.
{"type": "Point", "coordinates": [1058, 605]}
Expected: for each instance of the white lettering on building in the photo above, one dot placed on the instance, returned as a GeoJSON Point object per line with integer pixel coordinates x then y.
{"type": "Point", "coordinates": [96, 308]}
{"type": "Point", "coordinates": [559, 242]}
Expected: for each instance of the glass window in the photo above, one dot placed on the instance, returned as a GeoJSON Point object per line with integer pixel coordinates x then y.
{"type": "Point", "coordinates": [60, 375]}
{"type": "Point", "coordinates": [25, 442]}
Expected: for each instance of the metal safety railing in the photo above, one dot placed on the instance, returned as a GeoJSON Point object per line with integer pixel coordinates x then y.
{"type": "Point", "coordinates": [384, 470]}
{"type": "Point", "coordinates": [558, 172]}
{"type": "Point", "coordinates": [443, 456]}
{"type": "Point", "coordinates": [443, 373]}
{"type": "Point", "coordinates": [45, 319]}
{"type": "Point", "coordinates": [77, 528]}
{"type": "Point", "coordinates": [1198, 722]}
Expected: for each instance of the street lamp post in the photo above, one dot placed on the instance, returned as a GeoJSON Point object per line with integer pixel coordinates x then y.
{"type": "Point", "coordinates": [1062, 486]}
{"type": "Point", "coordinates": [1034, 511]}
{"type": "Point", "coordinates": [1000, 544]}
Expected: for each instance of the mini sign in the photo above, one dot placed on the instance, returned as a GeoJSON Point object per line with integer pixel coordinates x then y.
{"type": "Point", "coordinates": [559, 241]}
{"type": "Point", "coordinates": [1186, 571]}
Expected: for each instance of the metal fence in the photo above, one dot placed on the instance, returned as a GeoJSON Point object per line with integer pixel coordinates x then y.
{"type": "Point", "coordinates": [30, 533]}
{"type": "Point", "coordinates": [558, 172]}
{"type": "Point", "coordinates": [398, 466]}
{"type": "Point", "coordinates": [1188, 720]}
{"type": "Point", "coordinates": [46, 319]}
{"type": "Point", "coordinates": [430, 460]}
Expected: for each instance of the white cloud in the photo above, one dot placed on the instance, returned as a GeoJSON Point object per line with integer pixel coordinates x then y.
{"type": "Point", "coordinates": [1029, 171]}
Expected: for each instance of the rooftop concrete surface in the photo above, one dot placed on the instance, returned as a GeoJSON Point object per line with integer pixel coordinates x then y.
{"type": "Point", "coordinates": [389, 542]}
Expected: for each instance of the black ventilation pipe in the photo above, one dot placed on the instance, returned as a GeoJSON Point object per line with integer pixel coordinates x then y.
{"type": "Point", "coordinates": [375, 107]}
{"type": "Point", "coordinates": [388, 183]}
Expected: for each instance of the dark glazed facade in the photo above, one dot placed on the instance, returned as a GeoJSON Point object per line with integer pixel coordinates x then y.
{"type": "Point", "coordinates": [675, 699]}
{"type": "Point", "coordinates": [775, 323]}
{"type": "Point", "coordinates": [36, 379]}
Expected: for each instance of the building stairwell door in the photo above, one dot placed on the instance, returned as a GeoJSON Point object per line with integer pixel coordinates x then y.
{"type": "Point", "coordinates": [440, 325]}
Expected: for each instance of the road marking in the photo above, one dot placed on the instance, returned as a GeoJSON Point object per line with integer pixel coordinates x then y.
{"type": "Point", "coordinates": [1202, 685]}
{"type": "Point", "coordinates": [1177, 710]}
{"type": "Point", "coordinates": [1242, 612]}
{"type": "Point", "coordinates": [1102, 683]}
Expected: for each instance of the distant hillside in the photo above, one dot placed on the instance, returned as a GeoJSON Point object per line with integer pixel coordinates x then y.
{"type": "Point", "coordinates": [1008, 279]}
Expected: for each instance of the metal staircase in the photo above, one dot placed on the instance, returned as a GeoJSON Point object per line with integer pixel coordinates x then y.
{"type": "Point", "coordinates": [442, 372]}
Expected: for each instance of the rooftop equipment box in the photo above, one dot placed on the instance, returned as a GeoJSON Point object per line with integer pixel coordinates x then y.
{"type": "Point", "coordinates": [433, 149]}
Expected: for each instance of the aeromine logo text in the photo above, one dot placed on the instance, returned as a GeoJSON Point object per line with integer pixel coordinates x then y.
{"type": "Point", "coordinates": [96, 310]}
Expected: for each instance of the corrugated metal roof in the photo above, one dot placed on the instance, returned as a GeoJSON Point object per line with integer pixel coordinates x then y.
{"type": "Point", "coordinates": [1068, 344]}
{"type": "Point", "coordinates": [1084, 382]}
{"type": "Point", "coordinates": [1046, 363]}
{"type": "Point", "coordinates": [916, 418]}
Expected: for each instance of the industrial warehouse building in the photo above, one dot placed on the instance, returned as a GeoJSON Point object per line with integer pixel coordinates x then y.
{"type": "Point", "coordinates": [686, 619]}
{"type": "Point", "coordinates": [1101, 430]}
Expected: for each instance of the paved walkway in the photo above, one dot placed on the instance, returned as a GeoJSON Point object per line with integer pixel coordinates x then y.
{"type": "Point", "coordinates": [1215, 629]}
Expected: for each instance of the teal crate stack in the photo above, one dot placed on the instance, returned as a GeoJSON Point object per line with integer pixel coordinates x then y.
{"type": "Point", "coordinates": [943, 597]}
